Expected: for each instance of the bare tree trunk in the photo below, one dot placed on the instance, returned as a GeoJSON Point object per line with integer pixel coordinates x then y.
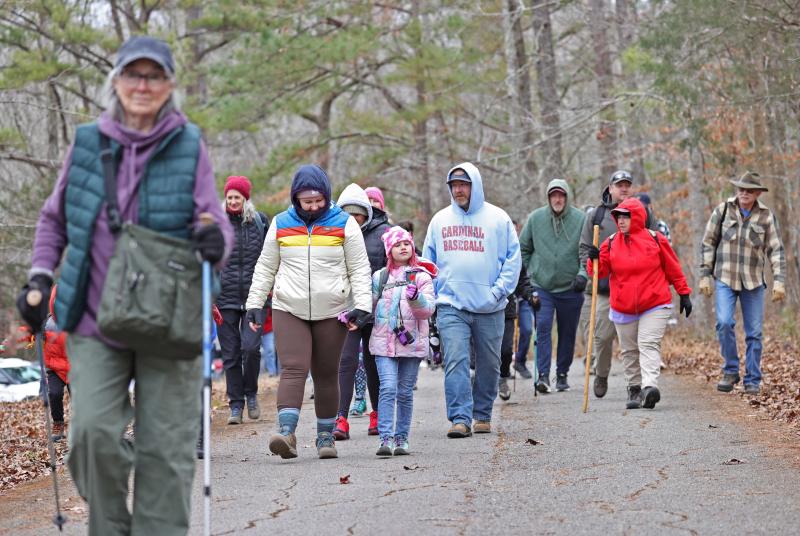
{"type": "Point", "coordinates": [546, 80]}
{"type": "Point", "coordinates": [607, 131]}
{"type": "Point", "coordinates": [698, 210]}
{"type": "Point", "coordinates": [420, 125]}
{"type": "Point", "coordinates": [626, 31]}
{"type": "Point", "coordinates": [197, 89]}
{"type": "Point", "coordinates": [52, 121]}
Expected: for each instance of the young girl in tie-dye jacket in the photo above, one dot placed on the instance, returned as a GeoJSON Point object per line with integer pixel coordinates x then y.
{"type": "Point", "coordinates": [403, 299]}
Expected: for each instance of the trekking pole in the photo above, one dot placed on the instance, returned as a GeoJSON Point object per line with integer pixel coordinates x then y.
{"type": "Point", "coordinates": [590, 337]}
{"type": "Point", "coordinates": [534, 337]}
{"type": "Point", "coordinates": [514, 357]}
{"type": "Point", "coordinates": [206, 219]}
{"type": "Point", "coordinates": [34, 299]}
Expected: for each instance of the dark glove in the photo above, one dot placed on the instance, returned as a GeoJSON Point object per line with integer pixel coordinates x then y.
{"type": "Point", "coordinates": [594, 252]}
{"type": "Point", "coordinates": [686, 305]}
{"type": "Point", "coordinates": [35, 315]}
{"type": "Point", "coordinates": [360, 318]}
{"type": "Point", "coordinates": [603, 286]}
{"type": "Point", "coordinates": [535, 302]}
{"type": "Point", "coordinates": [209, 243]}
{"type": "Point", "coordinates": [579, 284]}
{"type": "Point", "coordinates": [255, 316]}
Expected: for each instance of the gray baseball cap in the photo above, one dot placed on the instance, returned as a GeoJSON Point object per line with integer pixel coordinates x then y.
{"type": "Point", "coordinates": [144, 47]}
{"type": "Point", "coordinates": [620, 176]}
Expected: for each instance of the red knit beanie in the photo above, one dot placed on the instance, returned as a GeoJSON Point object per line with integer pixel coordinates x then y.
{"type": "Point", "coordinates": [240, 184]}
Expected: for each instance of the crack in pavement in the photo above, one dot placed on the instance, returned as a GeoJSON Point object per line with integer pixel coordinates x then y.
{"type": "Point", "coordinates": [286, 495]}
{"type": "Point", "coordinates": [663, 476]}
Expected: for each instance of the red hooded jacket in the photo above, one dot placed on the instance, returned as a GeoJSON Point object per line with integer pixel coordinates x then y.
{"type": "Point", "coordinates": [640, 268]}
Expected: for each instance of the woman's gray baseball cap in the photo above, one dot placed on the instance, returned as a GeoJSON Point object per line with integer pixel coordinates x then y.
{"type": "Point", "coordinates": [142, 47]}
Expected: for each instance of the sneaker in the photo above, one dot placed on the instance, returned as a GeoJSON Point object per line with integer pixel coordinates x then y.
{"type": "Point", "coordinates": [503, 390]}
{"type": "Point", "coordinates": [326, 446]}
{"type": "Point", "coordinates": [253, 411]}
{"type": "Point", "coordinates": [650, 396]}
{"type": "Point", "coordinates": [459, 430]}
{"type": "Point", "coordinates": [561, 382]}
{"type": "Point", "coordinates": [634, 397]}
{"type": "Point", "coordinates": [342, 429]}
{"type": "Point", "coordinates": [482, 427]}
{"type": "Point", "coordinates": [284, 445]}
{"type": "Point", "coordinates": [543, 385]}
{"type": "Point", "coordinates": [358, 408]}
{"type": "Point", "coordinates": [523, 370]}
{"type": "Point", "coordinates": [727, 382]}
{"type": "Point", "coordinates": [373, 423]}
{"type": "Point", "coordinates": [600, 386]}
{"type": "Point", "coordinates": [236, 415]}
{"type": "Point", "coordinates": [751, 389]}
{"type": "Point", "coordinates": [401, 446]}
{"type": "Point", "coordinates": [386, 447]}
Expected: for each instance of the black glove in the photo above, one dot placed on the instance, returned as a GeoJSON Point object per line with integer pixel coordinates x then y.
{"type": "Point", "coordinates": [360, 318]}
{"type": "Point", "coordinates": [535, 302]}
{"type": "Point", "coordinates": [603, 286]}
{"type": "Point", "coordinates": [35, 315]}
{"type": "Point", "coordinates": [255, 316]}
{"type": "Point", "coordinates": [686, 305]}
{"type": "Point", "coordinates": [594, 252]}
{"type": "Point", "coordinates": [579, 284]}
{"type": "Point", "coordinates": [209, 243]}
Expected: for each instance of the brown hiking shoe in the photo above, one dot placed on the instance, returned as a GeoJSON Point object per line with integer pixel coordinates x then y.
{"type": "Point", "coordinates": [284, 446]}
{"type": "Point", "coordinates": [59, 431]}
{"type": "Point", "coordinates": [482, 427]}
{"type": "Point", "coordinates": [459, 430]}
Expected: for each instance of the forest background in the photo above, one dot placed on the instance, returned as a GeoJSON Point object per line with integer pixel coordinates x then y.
{"type": "Point", "coordinates": [686, 94]}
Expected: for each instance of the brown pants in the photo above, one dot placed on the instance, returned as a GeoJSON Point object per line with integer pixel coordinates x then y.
{"type": "Point", "coordinates": [305, 345]}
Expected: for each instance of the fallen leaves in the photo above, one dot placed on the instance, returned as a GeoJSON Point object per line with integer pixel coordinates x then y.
{"type": "Point", "coordinates": [530, 441]}
{"type": "Point", "coordinates": [733, 461]}
{"type": "Point", "coordinates": [344, 479]}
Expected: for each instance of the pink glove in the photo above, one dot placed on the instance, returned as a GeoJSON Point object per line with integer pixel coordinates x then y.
{"type": "Point", "coordinates": [411, 291]}
{"type": "Point", "coordinates": [343, 317]}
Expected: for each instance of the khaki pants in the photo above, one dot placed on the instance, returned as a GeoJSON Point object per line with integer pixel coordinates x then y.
{"type": "Point", "coordinates": [640, 345]}
{"type": "Point", "coordinates": [604, 333]}
{"type": "Point", "coordinates": [167, 415]}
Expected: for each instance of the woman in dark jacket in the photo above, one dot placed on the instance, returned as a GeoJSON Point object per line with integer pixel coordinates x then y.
{"type": "Point", "coordinates": [240, 345]}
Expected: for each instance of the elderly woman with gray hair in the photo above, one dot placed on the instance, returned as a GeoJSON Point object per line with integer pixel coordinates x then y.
{"type": "Point", "coordinates": [164, 183]}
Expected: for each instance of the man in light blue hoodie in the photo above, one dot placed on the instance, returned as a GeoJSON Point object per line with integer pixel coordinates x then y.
{"type": "Point", "coordinates": [476, 249]}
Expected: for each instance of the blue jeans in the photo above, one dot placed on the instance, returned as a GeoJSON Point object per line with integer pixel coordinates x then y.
{"type": "Point", "coordinates": [566, 307]}
{"type": "Point", "coordinates": [470, 400]}
{"type": "Point", "coordinates": [269, 358]}
{"type": "Point", "coordinates": [752, 304]}
{"type": "Point", "coordinates": [398, 376]}
{"type": "Point", "coordinates": [525, 331]}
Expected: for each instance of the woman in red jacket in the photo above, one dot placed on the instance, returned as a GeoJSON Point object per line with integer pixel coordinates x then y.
{"type": "Point", "coordinates": [641, 265]}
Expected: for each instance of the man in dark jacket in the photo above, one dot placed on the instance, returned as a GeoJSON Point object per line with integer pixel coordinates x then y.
{"type": "Point", "coordinates": [523, 292]}
{"type": "Point", "coordinates": [240, 345]}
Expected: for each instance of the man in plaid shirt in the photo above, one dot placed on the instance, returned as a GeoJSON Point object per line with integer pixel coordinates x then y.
{"type": "Point", "coordinates": [741, 235]}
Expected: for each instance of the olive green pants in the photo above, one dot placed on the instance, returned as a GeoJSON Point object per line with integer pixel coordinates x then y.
{"type": "Point", "coordinates": [167, 416]}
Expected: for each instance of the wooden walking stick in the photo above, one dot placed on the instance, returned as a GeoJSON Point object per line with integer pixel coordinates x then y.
{"type": "Point", "coordinates": [590, 338]}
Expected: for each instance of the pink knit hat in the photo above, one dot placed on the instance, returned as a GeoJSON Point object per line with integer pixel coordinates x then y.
{"type": "Point", "coordinates": [240, 184]}
{"type": "Point", "coordinates": [391, 238]}
{"type": "Point", "coordinates": [373, 192]}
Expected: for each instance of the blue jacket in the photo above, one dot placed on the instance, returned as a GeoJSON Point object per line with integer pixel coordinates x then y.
{"type": "Point", "coordinates": [476, 251]}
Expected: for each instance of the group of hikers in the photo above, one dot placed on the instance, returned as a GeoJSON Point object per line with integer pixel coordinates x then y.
{"type": "Point", "coordinates": [334, 280]}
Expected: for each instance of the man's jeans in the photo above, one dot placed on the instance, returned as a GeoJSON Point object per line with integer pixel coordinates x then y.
{"type": "Point", "coordinates": [398, 376]}
{"type": "Point", "coordinates": [752, 304]}
{"type": "Point", "coordinates": [456, 329]}
{"type": "Point", "coordinates": [525, 331]}
{"type": "Point", "coordinates": [566, 307]}
{"type": "Point", "coordinates": [269, 358]}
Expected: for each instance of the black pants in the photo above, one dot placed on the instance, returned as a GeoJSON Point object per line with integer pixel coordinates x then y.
{"type": "Point", "coordinates": [507, 348]}
{"type": "Point", "coordinates": [55, 392]}
{"type": "Point", "coordinates": [241, 356]}
{"type": "Point", "coordinates": [348, 365]}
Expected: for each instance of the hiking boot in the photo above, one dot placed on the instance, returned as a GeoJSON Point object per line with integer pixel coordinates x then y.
{"type": "Point", "coordinates": [236, 415]}
{"type": "Point", "coordinates": [523, 370]}
{"type": "Point", "coordinates": [401, 447]}
{"type": "Point", "coordinates": [342, 429]}
{"type": "Point", "coordinates": [634, 397]}
{"type": "Point", "coordinates": [561, 382]}
{"type": "Point", "coordinates": [326, 446]}
{"type": "Point", "coordinates": [358, 408]}
{"type": "Point", "coordinates": [600, 386]}
{"type": "Point", "coordinates": [386, 447]}
{"type": "Point", "coordinates": [543, 385]}
{"type": "Point", "coordinates": [482, 427]}
{"type": "Point", "coordinates": [284, 445]}
{"type": "Point", "coordinates": [253, 411]}
{"type": "Point", "coordinates": [651, 396]}
{"type": "Point", "coordinates": [727, 382]}
{"type": "Point", "coordinates": [503, 390]}
{"type": "Point", "coordinates": [59, 431]}
{"type": "Point", "coordinates": [459, 430]}
{"type": "Point", "coordinates": [373, 423]}
{"type": "Point", "coordinates": [751, 389]}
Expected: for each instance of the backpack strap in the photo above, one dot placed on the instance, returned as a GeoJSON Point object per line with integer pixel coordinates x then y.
{"type": "Point", "coordinates": [383, 277]}
{"type": "Point", "coordinates": [261, 223]}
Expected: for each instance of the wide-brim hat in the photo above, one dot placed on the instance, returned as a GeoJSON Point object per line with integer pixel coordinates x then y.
{"type": "Point", "coordinates": [750, 181]}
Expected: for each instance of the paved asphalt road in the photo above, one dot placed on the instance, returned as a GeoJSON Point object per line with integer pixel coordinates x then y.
{"type": "Point", "coordinates": [610, 471]}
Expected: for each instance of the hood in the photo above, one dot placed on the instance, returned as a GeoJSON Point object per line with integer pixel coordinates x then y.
{"type": "Point", "coordinates": [426, 266]}
{"type": "Point", "coordinates": [638, 214]}
{"type": "Point", "coordinates": [562, 184]}
{"type": "Point", "coordinates": [139, 140]}
{"type": "Point", "coordinates": [379, 218]}
{"type": "Point", "coordinates": [477, 198]}
{"type": "Point", "coordinates": [354, 194]}
{"type": "Point", "coordinates": [310, 177]}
